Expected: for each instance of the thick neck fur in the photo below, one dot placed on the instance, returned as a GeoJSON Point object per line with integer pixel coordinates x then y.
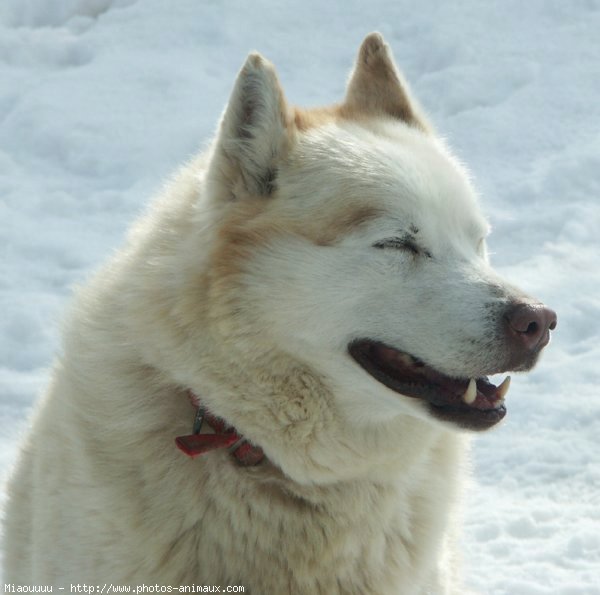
{"type": "Point", "coordinates": [208, 520]}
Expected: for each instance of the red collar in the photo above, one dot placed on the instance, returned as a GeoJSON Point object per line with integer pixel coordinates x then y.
{"type": "Point", "coordinates": [225, 436]}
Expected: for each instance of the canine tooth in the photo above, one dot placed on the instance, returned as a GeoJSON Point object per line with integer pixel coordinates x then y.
{"type": "Point", "coordinates": [471, 392]}
{"type": "Point", "coordinates": [503, 388]}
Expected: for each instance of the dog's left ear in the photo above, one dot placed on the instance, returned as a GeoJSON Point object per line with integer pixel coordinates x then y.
{"type": "Point", "coordinates": [254, 134]}
{"type": "Point", "coordinates": [377, 88]}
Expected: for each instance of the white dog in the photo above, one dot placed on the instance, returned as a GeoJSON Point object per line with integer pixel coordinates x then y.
{"type": "Point", "coordinates": [313, 296]}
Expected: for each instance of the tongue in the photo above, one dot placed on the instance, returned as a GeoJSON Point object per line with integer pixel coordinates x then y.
{"type": "Point", "coordinates": [478, 394]}
{"type": "Point", "coordinates": [486, 394]}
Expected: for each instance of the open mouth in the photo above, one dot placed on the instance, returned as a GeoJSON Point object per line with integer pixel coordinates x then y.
{"type": "Point", "coordinates": [472, 403]}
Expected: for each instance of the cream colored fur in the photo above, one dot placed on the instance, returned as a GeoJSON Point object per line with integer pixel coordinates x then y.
{"type": "Point", "coordinates": [244, 283]}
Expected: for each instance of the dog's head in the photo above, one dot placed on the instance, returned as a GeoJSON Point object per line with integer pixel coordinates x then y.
{"type": "Point", "coordinates": [351, 240]}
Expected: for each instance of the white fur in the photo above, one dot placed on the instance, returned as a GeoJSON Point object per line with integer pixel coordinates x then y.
{"type": "Point", "coordinates": [223, 289]}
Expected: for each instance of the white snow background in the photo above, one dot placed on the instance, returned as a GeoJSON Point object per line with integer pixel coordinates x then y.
{"type": "Point", "coordinates": [100, 100]}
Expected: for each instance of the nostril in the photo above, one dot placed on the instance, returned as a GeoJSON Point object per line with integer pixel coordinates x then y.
{"type": "Point", "coordinates": [531, 329]}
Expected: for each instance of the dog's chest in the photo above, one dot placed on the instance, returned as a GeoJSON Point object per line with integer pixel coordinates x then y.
{"type": "Point", "coordinates": [356, 540]}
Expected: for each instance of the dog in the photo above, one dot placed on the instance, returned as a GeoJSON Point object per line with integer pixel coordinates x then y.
{"type": "Point", "coordinates": [273, 384]}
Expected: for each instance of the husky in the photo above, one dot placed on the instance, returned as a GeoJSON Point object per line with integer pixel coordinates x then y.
{"type": "Point", "coordinates": [273, 384]}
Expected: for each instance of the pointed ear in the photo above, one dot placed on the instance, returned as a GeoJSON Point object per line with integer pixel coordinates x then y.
{"type": "Point", "coordinates": [255, 132]}
{"type": "Point", "coordinates": [376, 86]}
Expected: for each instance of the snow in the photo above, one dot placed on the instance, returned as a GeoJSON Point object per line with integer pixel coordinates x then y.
{"type": "Point", "coordinates": [101, 99]}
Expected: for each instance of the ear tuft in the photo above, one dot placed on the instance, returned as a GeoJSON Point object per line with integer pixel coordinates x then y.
{"type": "Point", "coordinates": [255, 132]}
{"type": "Point", "coordinates": [377, 88]}
{"type": "Point", "coordinates": [254, 60]}
{"type": "Point", "coordinates": [372, 48]}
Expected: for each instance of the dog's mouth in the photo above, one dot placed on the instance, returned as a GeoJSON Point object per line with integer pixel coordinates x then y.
{"type": "Point", "coordinates": [472, 403]}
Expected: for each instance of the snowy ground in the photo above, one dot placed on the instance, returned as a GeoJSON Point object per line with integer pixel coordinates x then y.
{"type": "Point", "coordinates": [101, 99]}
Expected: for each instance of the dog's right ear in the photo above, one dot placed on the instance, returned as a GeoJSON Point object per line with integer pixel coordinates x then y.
{"type": "Point", "coordinates": [377, 88]}
{"type": "Point", "coordinates": [255, 133]}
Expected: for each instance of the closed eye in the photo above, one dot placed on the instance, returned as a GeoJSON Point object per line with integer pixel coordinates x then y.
{"type": "Point", "coordinates": [406, 244]}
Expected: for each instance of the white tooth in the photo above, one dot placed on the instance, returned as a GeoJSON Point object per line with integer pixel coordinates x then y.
{"type": "Point", "coordinates": [471, 392]}
{"type": "Point", "coordinates": [503, 388]}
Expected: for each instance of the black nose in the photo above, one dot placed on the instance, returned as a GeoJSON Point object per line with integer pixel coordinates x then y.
{"type": "Point", "coordinates": [529, 325]}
